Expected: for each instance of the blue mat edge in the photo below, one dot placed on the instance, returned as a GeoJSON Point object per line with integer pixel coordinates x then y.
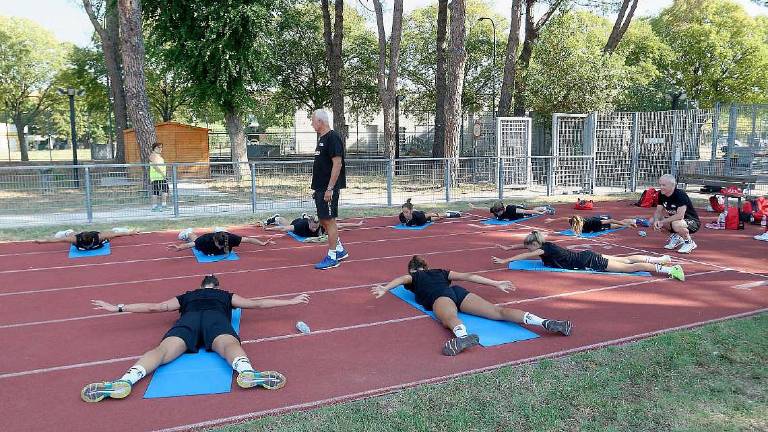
{"type": "Point", "coordinates": [539, 266]}
{"type": "Point", "coordinates": [105, 250]}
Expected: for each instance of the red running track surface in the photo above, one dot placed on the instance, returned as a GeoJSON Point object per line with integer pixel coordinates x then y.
{"type": "Point", "coordinates": [55, 343]}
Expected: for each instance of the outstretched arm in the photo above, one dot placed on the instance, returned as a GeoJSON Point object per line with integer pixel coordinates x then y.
{"type": "Point", "coordinates": [502, 247]}
{"type": "Point", "coordinates": [111, 235]}
{"type": "Point", "coordinates": [350, 224]}
{"type": "Point", "coordinates": [188, 245]}
{"type": "Point", "coordinates": [68, 239]}
{"type": "Point", "coordinates": [380, 290]}
{"type": "Point", "coordinates": [254, 240]}
{"type": "Point", "coordinates": [166, 306]}
{"type": "Point", "coordinates": [245, 303]}
{"type": "Point", "coordinates": [505, 286]}
{"type": "Point", "coordinates": [519, 257]}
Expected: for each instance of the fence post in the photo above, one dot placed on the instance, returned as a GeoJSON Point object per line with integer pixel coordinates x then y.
{"type": "Point", "coordinates": [715, 131]}
{"type": "Point", "coordinates": [634, 149]}
{"type": "Point", "coordinates": [253, 186]}
{"type": "Point", "coordinates": [753, 144]}
{"type": "Point", "coordinates": [590, 145]}
{"type": "Point", "coordinates": [175, 184]}
{"type": "Point", "coordinates": [675, 142]}
{"type": "Point", "coordinates": [88, 198]}
{"type": "Point", "coordinates": [500, 179]}
{"type": "Point", "coordinates": [447, 179]}
{"type": "Point", "coordinates": [553, 160]}
{"type": "Point", "coordinates": [390, 178]}
{"type": "Point", "coordinates": [731, 139]}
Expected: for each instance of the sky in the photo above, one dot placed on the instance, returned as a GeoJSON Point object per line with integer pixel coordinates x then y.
{"type": "Point", "coordinates": [68, 21]}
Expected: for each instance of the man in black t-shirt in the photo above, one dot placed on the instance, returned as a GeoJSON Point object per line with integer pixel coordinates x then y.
{"type": "Point", "coordinates": [204, 321]}
{"type": "Point", "coordinates": [675, 213]}
{"type": "Point", "coordinates": [328, 178]}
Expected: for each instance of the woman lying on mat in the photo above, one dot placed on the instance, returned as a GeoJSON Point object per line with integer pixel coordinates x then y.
{"type": "Point", "coordinates": [581, 225]}
{"type": "Point", "coordinates": [205, 321]}
{"type": "Point", "coordinates": [410, 217]}
{"type": "Point", "coordinates": [306, 226]}
{"type": "Point", "coordinates": [434, 292]}
{"type": "Point", "coordinates": [88, 240]}
{"type": "Point", "coordinates": [555, 256]}
{"type": "Point", "coordinates": [515, 212]}
{"type": "Point", "coordinates": [216, 243]}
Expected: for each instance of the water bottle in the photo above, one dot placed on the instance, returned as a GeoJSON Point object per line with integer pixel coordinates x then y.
{"type": "Point", "coordinates": [302, 327]}
{"type": "Point", "coordinates": [764, 223]}
{"type": "Point", "coordinates": [642, 233]}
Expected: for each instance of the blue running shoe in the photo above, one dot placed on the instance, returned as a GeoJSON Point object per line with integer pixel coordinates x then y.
{"type": "Point", "coordinates": [341, 255]}
{"type": "Point", "coordinates": [327, 263]}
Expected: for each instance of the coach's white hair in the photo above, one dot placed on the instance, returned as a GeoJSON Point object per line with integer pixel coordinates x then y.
{"type": "Point", "coordinates": [322, 115]}
{"type": "Point", "coordinates": [669, 178]}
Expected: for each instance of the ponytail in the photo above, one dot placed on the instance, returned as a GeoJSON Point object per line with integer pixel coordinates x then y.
{"type": "Point", "coordinates": [417, 263]}
{"type": "Point", "coordinates": [577, 224]}
{"type": "Point", "coordinates": [408, 204]}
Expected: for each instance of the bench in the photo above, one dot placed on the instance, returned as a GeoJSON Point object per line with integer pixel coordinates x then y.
{"type": "Point", "coordinates": [714, 183]}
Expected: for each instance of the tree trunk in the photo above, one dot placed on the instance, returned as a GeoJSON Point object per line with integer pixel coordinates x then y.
{"type": "Point", "coordinates": [333, 45]}
{"type": "Point", "coordinates": [510, 64]}
{"type": "Point", "coordinates": [621, 25]}
{"type": "Point", "coordinates": [457, 58]}
{"type": "Point", "coordinates": [21, 136]}
{"type": "Point", "coordinates": [532, 30]}
{"type": "Point", "coordinates": [237, 138]}
{"type": "Point", "coordinates": [387, 79]}
{"type": "Point", "coordinates": [438, 146]}
{"type": "Point", "coordinates": [137, 102]}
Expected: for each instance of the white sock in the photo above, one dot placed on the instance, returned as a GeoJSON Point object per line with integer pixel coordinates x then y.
{"type": "Point", "coordinates": [134, 374]}
{"type": "Point", "coordinates": [532, 319]}
{"type": "Point", "coordinates": [663, 270]}
{"type": "Point", "coordinates": [460, 330]}
{"type": "Point", "coordinates": [332, 253]}
{"type": "Point", "coordinates": [240, 364]}
{"type": "Point", "coordinates": [339, 246]}
{"type": "Point", "coordinates": [654, 260]}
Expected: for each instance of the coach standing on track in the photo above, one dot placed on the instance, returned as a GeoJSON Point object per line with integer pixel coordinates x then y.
{"type": "Point", "coordinates": [328, 178]}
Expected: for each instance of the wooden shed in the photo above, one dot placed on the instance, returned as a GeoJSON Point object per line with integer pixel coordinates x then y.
{"type": "Point", "coordinates": [181, 143]}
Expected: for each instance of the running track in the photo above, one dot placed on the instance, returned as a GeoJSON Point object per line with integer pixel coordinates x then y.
{"type": "Point", "coordinates": [54, 342]}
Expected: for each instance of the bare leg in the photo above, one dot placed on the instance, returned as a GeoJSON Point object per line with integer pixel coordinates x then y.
{"type": "Point", "coordinates": [191, 237]}
{"type": "Point", "coordinates": [168, 350]}
{"type": "Point", "coordinates": [228, 347]}
{"type": "Point", "coordinates": [681, 228]}
{"type": "Point", "coordinates": [475, 305]}
{"type": "Point", "coordinates": [165, 199]}
{"type": "Point", "coordinates": [446, 312]}
{"type": "Point", "coordinates": [640, 259]}
{"type": "Point", "coordinates": [625, 267]}
{"type": "Point", "coordinates": [333, 232]}
{"type": "Point", "coordinates": [433, 215]}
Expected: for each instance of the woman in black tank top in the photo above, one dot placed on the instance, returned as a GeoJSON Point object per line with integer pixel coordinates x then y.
{"type": "Point", "coordinates": [581, 225]}
{"type": "Point", "coordinates": [410, 217]}
{"type": "Point", "coordinates": [552, 255]}
{"type": "Point", "coordinates": [434, 291]}
{"type": "Point", "coordinates": [307, 226]}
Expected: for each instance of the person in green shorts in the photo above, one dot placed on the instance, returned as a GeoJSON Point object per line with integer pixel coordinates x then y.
{"type": "Point", "coordinates": [158, 178]}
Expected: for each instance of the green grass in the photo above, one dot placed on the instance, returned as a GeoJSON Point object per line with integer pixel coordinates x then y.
{"type": "Point", "coordinates": [713, 378]}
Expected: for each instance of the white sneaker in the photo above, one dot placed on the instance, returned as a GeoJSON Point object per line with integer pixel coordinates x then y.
{"type": "Point", "coordinates": [120, 230]}
{"type": "Point", "coordinates": [688, 247]}
{"type": "Point", "coordinates": [763, 236]}
{"type": "Point", "coordinates": [674, 241]}
{"type": "Point", "coordinates": [665, 259]}
{"type": "Point", "coordinates": [184, 235]}
{"type": "Point", "coordinates": [62, 234]}
{"type": "Point", "coordinates": [219, 229]}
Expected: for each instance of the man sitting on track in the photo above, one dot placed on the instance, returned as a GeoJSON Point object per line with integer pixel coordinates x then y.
{"type": "Point", "coordinates": [434, 292]}
{"type": "Point", "coordinates": [206, 315]}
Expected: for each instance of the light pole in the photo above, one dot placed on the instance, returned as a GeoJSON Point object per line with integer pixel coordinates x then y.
{"type": "Point", "coordinates": [493, 68]}
{"type": "Point", "coordinates": [72, 93]}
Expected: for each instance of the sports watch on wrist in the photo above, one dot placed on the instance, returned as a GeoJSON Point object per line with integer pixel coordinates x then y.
{"type": "Point", "coordinates": [120, 307]}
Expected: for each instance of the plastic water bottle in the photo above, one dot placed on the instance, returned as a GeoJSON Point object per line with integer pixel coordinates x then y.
{"type": "Point", "coordinates": [764, 223]}
{"type": "Point", "coordinates": [302, 327]}
{"type": "Point", "coordinates": [642, 233]}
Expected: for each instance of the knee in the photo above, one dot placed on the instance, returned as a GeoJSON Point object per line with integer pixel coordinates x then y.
{"type": "Point", "coordinates": [678, 225]}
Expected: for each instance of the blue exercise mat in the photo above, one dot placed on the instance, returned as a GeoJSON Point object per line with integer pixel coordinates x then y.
{"type": "Point", "coordinates": [406, 227]}
{"type": "Point", "coordinates": [491, 332]}
{"type": "Point", "coordinates": [569, 232]}
{"type": "Point", "coordinates": [77, 253]}
{"type": "Point", "coordinates": [203, 372]}
{"type": "Point", "coordinates": [537, 265]}
{"type": "Point", "coordinates": [203, 258]}
{"type": "Point", "coordinates": [494, 221]}
{"type": "Point", "coordinates": [296, 236]}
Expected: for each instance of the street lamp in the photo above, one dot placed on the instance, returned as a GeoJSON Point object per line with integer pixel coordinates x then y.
{"type": "Point", "coordinates": [493, 69]}
{"type": "Point", "coordinates": [72, 93]}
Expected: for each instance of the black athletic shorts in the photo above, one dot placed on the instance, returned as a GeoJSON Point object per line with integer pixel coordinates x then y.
{"type": "Point", "coordinates": [453, 292]}
{"type": "Point", "coordinates": [592, 261]}
{"type": "Point", "coordinates": [200, 328]}
{"type": "Point", "coordinates": [327, 210]}
{"type": "Point", "coordinates": [159, 187]}
{"type": "Point", "coordinates": [693, 225]}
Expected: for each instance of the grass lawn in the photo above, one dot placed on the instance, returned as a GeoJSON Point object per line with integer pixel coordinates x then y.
{"type": "Point", "coordinates": [713, 378]}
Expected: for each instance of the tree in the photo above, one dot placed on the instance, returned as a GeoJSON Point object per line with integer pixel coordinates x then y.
{"type": "Point", "coordinates": [532, 30]}
{"type": "Point", "coordinates": [169, 90]}
{"type": "Point", "coordinates": [438, 145]}
{"type": "Point", "coordinates": [132, 50]}
{"type": "Point", "coordinates": [30, 58]}
{"type": "Point", "coordinates": [106, 11]}
{"type": "Point", "coordinates": [457, 57]}
{"type": "Point", "coordinates": [723, 56]}
{"type": "Point", "coordinates": [626, 12]}
{"type": "Point", "coordinates": [388, 69]}
{"type": "Point", "coordinates": [224, 50]}
{"type": "Point", "coordinates": [510, 60]}
{"type": "Point", "coordinates": [333, 33]}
